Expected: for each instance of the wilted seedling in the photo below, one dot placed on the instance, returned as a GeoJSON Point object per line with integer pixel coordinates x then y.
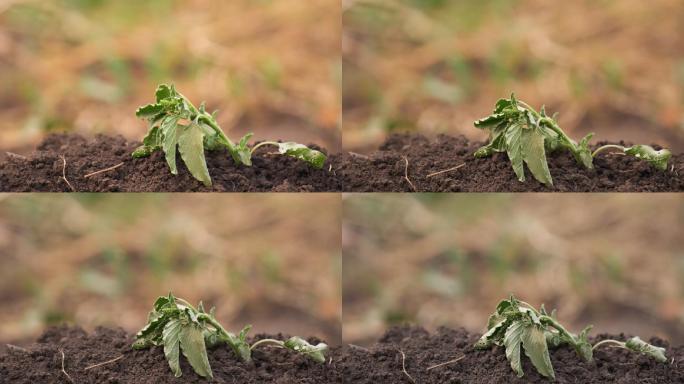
{"type": "Point", "coordinates": [177, 125]}
{"type": "Point", "coordinates": [518, 326]}
{"type": "Point", "coordinates": [179, 327]}
{"type": "Point", "coordinates": [527, 136]}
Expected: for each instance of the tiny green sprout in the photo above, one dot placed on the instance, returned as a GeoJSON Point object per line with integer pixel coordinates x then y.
{"type": "Point", "coordinates": [177, 326]}
{"type": "Point", "coordinates": [527, 136]}
{"type": "Point", "coordinates": [177, 126]}
{"type": "Point", "coordinates": [517, 326]}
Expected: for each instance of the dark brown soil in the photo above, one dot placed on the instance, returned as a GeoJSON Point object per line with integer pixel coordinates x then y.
{"type": "Point", "coordinates": [385, 170]}
{"type": "Point", "coordinates": [382, 363]}
{"type": "Point", "coordinates": [41, 171]}
{"type": "Point", "coordinates": [42, 363]}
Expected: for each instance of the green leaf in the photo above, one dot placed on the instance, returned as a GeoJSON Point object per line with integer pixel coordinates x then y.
{"type": "Point", "coordinates": [313, 157]}
{"type": "Point", "coordinates": [513, 138]}
{"type": "Point", "coordinates": [315, 352]}
{"type": "Point", "coordinates": [657, 159]}
{"type": "Point", "coordinates": [512, 342]}
{"type": "Point", "coordinates": [191, 146]}
{"type": "Point", "coordinates": [164, 92]}
{"type": "Point", "coordinates": [490, 121]}
{"type": "Point", "coordinates": [495, 334]}
{"type": "Point", "coordinates": [243, 154]}
{"type": "Point", "coordinates": [171, 131]}
{"type": "Point", "coordinates": [172, 345]}
{"type": "Point", "coordinates": [502, 104]}
{"type": "Point", "coordinates": [583, 152]}
{"type": "Point", "coordinates": [194, 349]}
{"type": "Point", "coordinates": [149, 111]}
{"type": "Point", "coordinates": [532, 147]}
{"type": "Point", "coordinates": [637, 345]}
{"type": "Point", "coordinates": [583, 346]}
{"type": "Point", "coordinates": [142, 151]}
{"type": "Point", "coordinates": [534, 342]}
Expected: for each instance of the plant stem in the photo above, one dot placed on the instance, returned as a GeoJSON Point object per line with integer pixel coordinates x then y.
{"type": "Point", "coordinates": [267, 341]}
{"type": "Point", "coordinates": [560, 328]}
{"type": "Point", "coordinates": [608, 146]}
{"type": "Point", "coordinates": [254, 148]}
{"type": "Point", "coordinates": [608, 341]}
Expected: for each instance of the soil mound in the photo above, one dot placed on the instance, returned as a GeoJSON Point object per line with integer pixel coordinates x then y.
{"type": "Point", "coordinates": [43, 170]}
{"type": "Point", "coordinates": [382, 363]}
{"type": "Point", "coordinates": [42, 362]}
{"type": "Point", "coordinates": [385, 170]}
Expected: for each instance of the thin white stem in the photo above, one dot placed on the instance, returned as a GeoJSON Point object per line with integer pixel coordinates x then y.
{"type": "Point", "coordinates": [267, 341]}
{"type": "Point", "coordinates": [254, 148]}
{"type": "Point", "coordinates": [607, 342]}
{"type": "Point", "coordinates": [608, 146]}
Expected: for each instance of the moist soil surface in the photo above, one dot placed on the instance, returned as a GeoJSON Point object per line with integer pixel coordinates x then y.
{"type": "Point", "coordinates": [385, 170]}
{"type": "Point", "coordinates": [382, 363]}
{"type": "Point", "coordinates": [42, 170]}
{"type": "Point", "coordinates": [41, 362]}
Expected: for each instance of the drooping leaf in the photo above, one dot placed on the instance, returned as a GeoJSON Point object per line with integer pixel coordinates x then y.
{"type": "Point", "coordinates": [171, 131]}
{"type": "Point", "coordinates": [191, 147]}
{"type": "Point", "coordinates": [532, 149]}
{"type": "Point", "coordinates": [171, 336]}
{"type": "Point", "coordinates": [534, 344]}
{"type": "Point", "coordinates": [640, 346]}
{"type": "Point", "coordinates": [299, 151]}
{"type": "Point", "coordinates": [149, 111]}
{"type": "Point", "coordinates": [164, 92]}
{"type": "Point", "coordinates": [490, 121]}
{"type": "Point", "coordinates": [495, 334]}
{"type": "Point", "coordinates": [657, 158]}
{"type": "Point", "coordinates": [583, 346]}
{"type": "Point", "coordinates": [194, 349]}
{"type": "Point", "coordinates": [513, 138]}
{"type": "Point", "coordinates": [512, 342]}
{"type": "Point", "coordinates": [315, 352]}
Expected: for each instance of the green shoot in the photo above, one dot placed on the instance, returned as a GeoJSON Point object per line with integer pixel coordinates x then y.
{"type": "Point", "coordinates": [656, 158]}
{"type": "Point", "coordinates": [176, 125]}
{"type": "Point", "coordinates": [527, 136]}
{"type": "Point", "coordinates": [179, 327]}
{"type": "Point", "coordinates": [517, 326]}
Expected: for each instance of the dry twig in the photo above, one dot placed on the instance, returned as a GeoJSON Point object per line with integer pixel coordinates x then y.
{"type": "Point", "coordinates": [447, 363]}
{"type": "Point", "coordinates": [64, 173]}
{"type": "Point", "coordinates": [104, 363]}
{"type": "Point", "coordinates": [403, 366]}
{"type": "Point", "coordinates": [63, 370]}
{"type": "Point", "coordinates": [446, 170]}
{"type": "Point", "coordinates": [103, 170]}
{"type": "Point", "coordinates": [406, 174]}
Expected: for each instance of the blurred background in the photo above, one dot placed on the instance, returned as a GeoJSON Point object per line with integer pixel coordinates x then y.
{"type": "Point", "coordinates": [614, 67]}
{"type": "Point", "coordinates": [271, 261]}
{"type": "Point", "coordinates": [271, 67]}
{"type": "Point", "coordinates": [615, 261]}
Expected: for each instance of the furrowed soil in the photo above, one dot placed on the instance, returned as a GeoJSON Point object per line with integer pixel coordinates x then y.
{"type": "Point", "coordinates": [386, 170]}
{"type": "Point", "coordinates": [383, 362]}
{"type": "Point", "coordinates": [43, 170]}
{"type": "Point", "coordinates": [41, 362]}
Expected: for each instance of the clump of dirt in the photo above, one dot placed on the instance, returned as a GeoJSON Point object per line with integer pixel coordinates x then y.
{"type": "Point", "coordinates": [44, 170]}
{"type": "Point", "coordinates": [386, 170]}
{"type": "Point", "coordinates": [384, 363]}
{"type": "Point", "coordinates": [42, 362]}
